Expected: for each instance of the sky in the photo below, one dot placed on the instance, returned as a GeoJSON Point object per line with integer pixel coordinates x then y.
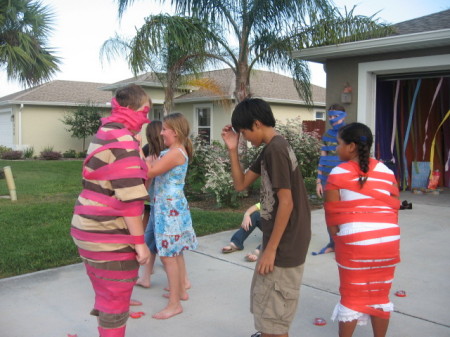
{"type": "Point", "coordinates": [81, 27]}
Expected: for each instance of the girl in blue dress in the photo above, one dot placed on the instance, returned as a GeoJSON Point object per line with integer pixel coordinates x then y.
{"type": "Point", "coordinates": [173, 224]}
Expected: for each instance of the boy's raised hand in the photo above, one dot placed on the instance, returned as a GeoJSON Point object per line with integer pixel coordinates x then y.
{"type": "Point", "coordinates": [230, 137]}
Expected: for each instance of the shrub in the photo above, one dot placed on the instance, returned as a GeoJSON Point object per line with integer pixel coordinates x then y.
{"type": "Point", "coordinates": [12, 155]}
{"type": "Point", "coordinates": [28, 152]}
{"type": "Point", "coordinates": [70, 154]}
{"type": "Point", "coordinates": [310, 184]}
{"type": "Point", "coordinates": [305, 145]}
{"type": "Point", "coordinates": [210, 173]}
{"type": "Point", "coordinates": [210, 169]}
{"type": "Point", "coordinates": [48, 149]}
{"type": "Point", "coordinates": [82, 154]}
{"type": "Point", "coordinates": [195, 178]}
{"type": "Point", "coordinates": [4, 149]}
{"type": "Point", "coordinates": [51, 155]}
{"type": "Point", "coordinates": [218, 176]}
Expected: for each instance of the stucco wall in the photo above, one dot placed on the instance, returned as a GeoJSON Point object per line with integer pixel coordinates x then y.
{"type": "Point", "coordinates": [345, 70]}
{"type": "Point", "coordinates": [284, 112]}
{"type": "Point", "coordinates": [42, 127]}
{"type": "Point", "coordinates": [222, 114]}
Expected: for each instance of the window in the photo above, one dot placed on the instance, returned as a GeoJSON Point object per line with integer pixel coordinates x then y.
{"type": "Point", "coordinates": [203, 122]}
{"type": "Point", "coordinates": [320, 116]}
{"type": "Point", "coordinates": [157, 113]}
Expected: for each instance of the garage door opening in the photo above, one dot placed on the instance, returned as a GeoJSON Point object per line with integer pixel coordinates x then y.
{"type": "Point", "coordinates": [6, 129]}
{"type": "Point", "coordinates": [413, 123]}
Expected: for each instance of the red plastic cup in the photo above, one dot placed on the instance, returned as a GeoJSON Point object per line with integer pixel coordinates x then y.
{"type": "Point", "coordinates": [319, 321]}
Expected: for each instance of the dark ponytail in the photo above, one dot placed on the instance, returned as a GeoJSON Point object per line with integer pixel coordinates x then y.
{"type": "Point", "coordinates": [361, 135]}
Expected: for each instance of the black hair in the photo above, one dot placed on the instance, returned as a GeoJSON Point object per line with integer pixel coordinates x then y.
{"type": "Point", "coordinates": [336, 107]}
{"type": "Point", "coordinates": [250, 110]}
{"type": "Point", "coordinates": [361, 135]}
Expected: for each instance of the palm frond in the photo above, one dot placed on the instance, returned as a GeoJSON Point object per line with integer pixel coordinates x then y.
{"type": "Point", "coordinates": [24, 27]}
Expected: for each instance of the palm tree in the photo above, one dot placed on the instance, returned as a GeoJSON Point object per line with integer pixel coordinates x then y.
{"type": "Point", "coordinates": [268, 31]}
{"type": "Point", "coordinates": [174, 48]}
{"type": "Point", "coordinates": [24, 27]}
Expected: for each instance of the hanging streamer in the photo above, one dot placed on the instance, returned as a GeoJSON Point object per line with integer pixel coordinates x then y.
{"type": "Point", "coordinates": [408, 129]}
{"type": "Point", "coordinates": [428, 117]}
{"type": "Point", "coordinates": [394, 126]}
{"type": "Point", "coordinates": [434, 141]}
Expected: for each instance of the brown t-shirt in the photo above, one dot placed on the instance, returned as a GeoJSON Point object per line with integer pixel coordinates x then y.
{"type": "Point", "coordinates": [278, 168]}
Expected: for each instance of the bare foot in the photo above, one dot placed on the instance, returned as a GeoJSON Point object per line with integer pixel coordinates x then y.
{"type": "Point", "coordinates": [252, 257]}
{"type": "Point", "coordinates": [183, 297]}
{"type": "Point", "coordinates": [168, 312]}
{"type": "Point", "coordinates": [143, 283]}
{"type": "Point", "coordinates": [135, 302]}
{"type": "Point", "coordinates": [187, 286]}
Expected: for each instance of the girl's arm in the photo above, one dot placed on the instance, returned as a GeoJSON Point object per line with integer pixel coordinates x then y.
{"type": "Point", "coordinates": [170, 160]}
{"type": "Point", "coordinates": [332, 196]}
{"type": "Point", "coordinates": [319, 187]}
{"type": "Point", "coordinates": [150, 161]}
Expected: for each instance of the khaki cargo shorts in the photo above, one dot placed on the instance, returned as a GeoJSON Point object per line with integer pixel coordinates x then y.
{"type": "Point", "coordinates": [274, 298]}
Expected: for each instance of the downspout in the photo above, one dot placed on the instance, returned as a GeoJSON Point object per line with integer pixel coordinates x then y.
{"type": "Point", "coordinates": [20, 127]}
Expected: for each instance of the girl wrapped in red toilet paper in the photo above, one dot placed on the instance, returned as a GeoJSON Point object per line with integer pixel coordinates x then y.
{"type": "Point", "coordinates": [362, 215]}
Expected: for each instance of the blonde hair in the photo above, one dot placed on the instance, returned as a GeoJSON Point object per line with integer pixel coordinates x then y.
{"type": "Point", "coordinates": [154, 139]}
{"type": "Point", "coordinates": [178, 123]}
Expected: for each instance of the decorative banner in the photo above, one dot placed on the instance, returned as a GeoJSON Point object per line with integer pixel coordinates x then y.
{"type": "Point", "coordinates": [433, 143]}
{"type": "Point", "coordinates": [408, 129]}
{"type": "Point", "coordinates": [428, 117]}
{"type": "Point", "coordinates": [394, 126]}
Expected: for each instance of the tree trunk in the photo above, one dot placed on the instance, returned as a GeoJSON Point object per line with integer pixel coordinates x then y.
{"type": "Point", "coordinates": [242, 91]}
{"type": "Point", "coordinates": [242, 84]}
{"type": "Point", "coordinates": [168, 102]}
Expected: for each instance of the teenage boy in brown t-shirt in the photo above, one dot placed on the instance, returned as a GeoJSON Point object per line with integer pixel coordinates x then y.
{"type": "Point", "coordinates": [285, 215]}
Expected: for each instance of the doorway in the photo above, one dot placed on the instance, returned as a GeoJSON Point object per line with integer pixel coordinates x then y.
{"type": "Point", "coordinates": [410, 124]}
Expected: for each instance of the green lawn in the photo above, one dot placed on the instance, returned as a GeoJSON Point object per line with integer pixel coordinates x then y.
{"type": "Point", "coordinates": [34, 231]}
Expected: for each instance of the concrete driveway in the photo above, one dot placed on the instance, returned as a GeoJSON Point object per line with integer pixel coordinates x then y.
{"type": "Point", "coordinates": [56, 302]}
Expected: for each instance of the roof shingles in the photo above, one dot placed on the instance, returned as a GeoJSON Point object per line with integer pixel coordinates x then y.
{"type": "Point", "coordinates": [436, 21]}
{"type": "Point", "coordinates": [62, 92]}
{"type": "Point", "coordinates": [263, 84]}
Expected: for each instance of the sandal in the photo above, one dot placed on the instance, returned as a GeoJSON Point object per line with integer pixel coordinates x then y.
{"type": "Point", "coordinates": [325, 250]}
{"type": "Point", "coordinates": [252, 257]}
{"type": "Point", "coordinates": [230, 248]}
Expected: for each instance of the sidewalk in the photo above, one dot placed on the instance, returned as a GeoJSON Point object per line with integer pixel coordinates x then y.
{"type": "Point", "coordinates": [55, 303]}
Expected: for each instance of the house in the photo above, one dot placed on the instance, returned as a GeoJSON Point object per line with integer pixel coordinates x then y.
{"type": "Point", "coordinates": [398, 85]}
{"type": "Point", "coordinates": [208, 111]}
{"type": "Point", "coordinates": [33, 117]}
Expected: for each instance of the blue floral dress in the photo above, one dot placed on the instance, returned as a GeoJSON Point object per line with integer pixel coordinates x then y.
{"type": "Point", "coordinates": [173, 223]}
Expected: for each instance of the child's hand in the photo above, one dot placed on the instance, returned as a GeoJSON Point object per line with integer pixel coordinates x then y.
{"type": "Point", "coordinates": [143, 253]}
{"type": "Point", "coordinates": [266, 262]}
{"type": "Point", "coordinates": [230, 137]}
{"type": "Point", "coordinates": [246, 222]}
{"type": "Point", "coordinates": [319, 190]}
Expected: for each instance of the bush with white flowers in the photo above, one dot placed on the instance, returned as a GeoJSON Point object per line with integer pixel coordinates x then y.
{"type": "Point", "coordinates": [211, 163]}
